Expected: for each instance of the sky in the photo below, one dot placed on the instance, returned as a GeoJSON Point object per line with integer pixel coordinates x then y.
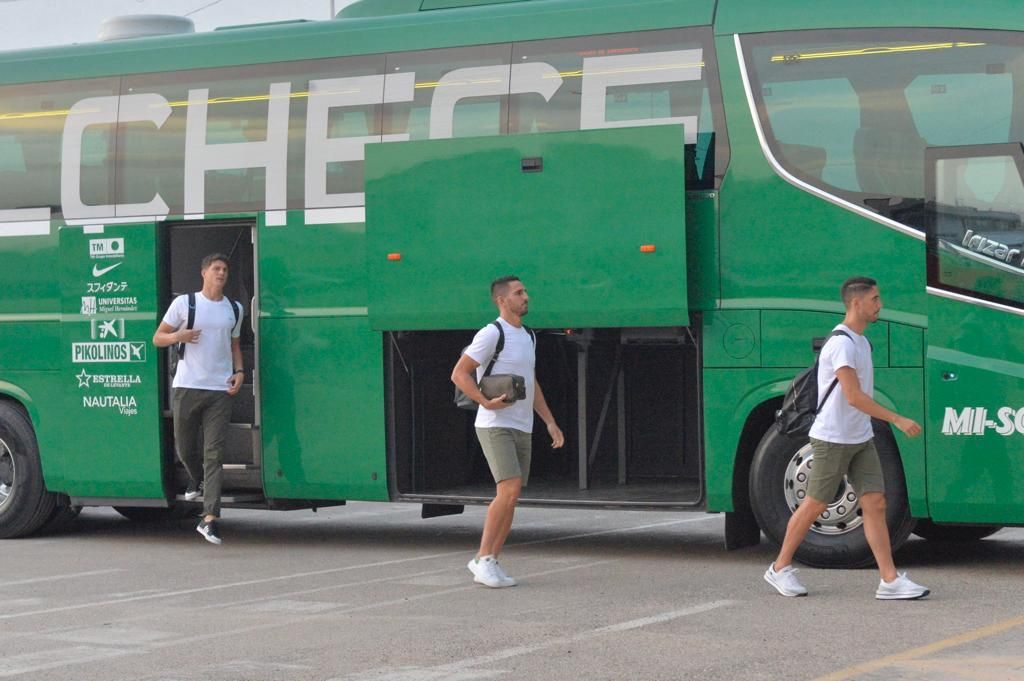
{"type": "Point", "coordinates": [39, 23]}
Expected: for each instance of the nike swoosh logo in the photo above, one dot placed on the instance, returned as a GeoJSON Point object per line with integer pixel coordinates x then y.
{"type": "Point", "coordinates": [98, 272]}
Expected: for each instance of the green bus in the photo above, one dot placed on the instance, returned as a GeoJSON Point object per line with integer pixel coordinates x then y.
{"type": "Point", "coordinates": [682, 185]}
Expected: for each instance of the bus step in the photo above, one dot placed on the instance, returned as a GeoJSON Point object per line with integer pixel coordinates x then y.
{"type": "Point", "coordinates": [243, 476]}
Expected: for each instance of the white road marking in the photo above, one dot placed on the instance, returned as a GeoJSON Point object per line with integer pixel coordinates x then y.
{"type": "Point", "coordinates": [13, 665]}
{"type": "Point", "coordinates": [54, 578]}
{"type": "Point", "coordinates": [319, 573]}
{"type": "Point", "coordinates": [285, 605]}
{"type": "Point", "coordinates": [457, 670]}
{"type": "Point", "coordinates": [111, 636]}
{"type": "Point", "coordinates": [616, 530]}
{"type": "Point", "coordinates": [401, 601]}
{"type": "Point", "coordinates": [663, 617]}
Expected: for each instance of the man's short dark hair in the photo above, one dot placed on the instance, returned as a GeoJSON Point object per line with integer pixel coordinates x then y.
{"type": "Point", "coordinates": [214, 257]}
{"type": "Point", "coordinates": [499, 286]}
{"type": "Point", "coordinates": [855, 286]}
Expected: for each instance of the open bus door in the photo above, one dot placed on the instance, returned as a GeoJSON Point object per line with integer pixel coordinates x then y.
{"type": "Point", "coordinates": [974, 367]}
{"type": "Point", "coordinates": [112, 419]}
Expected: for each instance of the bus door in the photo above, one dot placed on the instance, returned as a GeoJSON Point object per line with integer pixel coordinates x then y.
{"type": "Point", "coordinates": [184, 246]}
{"type": "Point", "coordinates": [974, 368]}
{"type": "Point", "coordinates": [112, 416]}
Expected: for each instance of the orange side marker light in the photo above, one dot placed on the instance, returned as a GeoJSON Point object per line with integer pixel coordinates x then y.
{"type": "Point", "coordinates": [648, 248]}
{"type": "Point", "coordinates": [394, 257]}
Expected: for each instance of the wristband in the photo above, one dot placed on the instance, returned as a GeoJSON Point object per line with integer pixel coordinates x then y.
{"type": "Point", "coordinates": [238, 371]}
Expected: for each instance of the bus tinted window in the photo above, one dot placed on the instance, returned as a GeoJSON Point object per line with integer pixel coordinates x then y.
{"type": "Point", "coordinates": [977, 214]}
{"type": "Point", "coordinates": [458, 92]}
{"type": "Point", "coordinates": [626, 79]}
{"type": "Point", "coordinates": [824, 116]}
{"type": "Point", "coordinates": [291, 135]}
{"type": "Point", "coordinates": [33, 119]}
{"type": "Point", "coordinates": [852, 111]}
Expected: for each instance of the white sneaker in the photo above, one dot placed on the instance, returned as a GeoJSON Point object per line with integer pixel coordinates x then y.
{"type": "Point", "coordinates": [485, 572]}
{"type": "Point", "coordinates": [900, 588]}
{"type": "Point", "coordinates": [785, 581]}
{"type": "Point", "coordinates": [507, 581]}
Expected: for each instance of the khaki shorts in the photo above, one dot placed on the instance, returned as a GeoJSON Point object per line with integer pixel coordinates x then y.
{"type": "Point", "coordinates": [507, 451]}
{"type": "Point", "coordinates": [859, 462]}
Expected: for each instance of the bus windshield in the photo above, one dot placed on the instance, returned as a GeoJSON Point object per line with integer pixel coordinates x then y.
{"type": "Point", "coordinates": [851, 112]}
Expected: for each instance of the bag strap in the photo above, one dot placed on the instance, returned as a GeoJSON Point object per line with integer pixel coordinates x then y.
{"type": "Point", "coordinates": [835, 381]}
{"type": "Point", "coordinates": [192, 321]}
{"type": "Point", "coordinates": [497, 349]}
{"type": "Point", "coordinates": [235, 305]}
{"type": "Point", "coordinates": [533, 335]}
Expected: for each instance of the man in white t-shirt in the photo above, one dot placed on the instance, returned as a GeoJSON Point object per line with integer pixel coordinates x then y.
{"type": "Point", "coordinates": [209, 373]}
{"type": "Point", "coordinates": [505, 430]}
{"type": "Point", "coordinates": [843, 444]}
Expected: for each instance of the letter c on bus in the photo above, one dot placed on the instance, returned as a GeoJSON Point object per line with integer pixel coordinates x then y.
{"type": "Point", "coordinates": [100, 111]}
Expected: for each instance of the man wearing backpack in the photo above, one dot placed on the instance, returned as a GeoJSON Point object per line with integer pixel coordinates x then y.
{"type": "Point", "coordinates": [505, 430]}
{"type": "Point", "coordinates": [206, 327]}
{"type": "Point", "coordinates": [841, 438]}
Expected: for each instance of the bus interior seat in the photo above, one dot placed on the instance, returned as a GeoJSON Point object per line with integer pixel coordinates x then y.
{"type": "Point", "coordinates": [889, 163]}
{"type": "Point", "coordinates": [810, 161]}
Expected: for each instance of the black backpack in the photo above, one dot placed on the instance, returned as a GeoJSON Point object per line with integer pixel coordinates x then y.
{"type": "Point", "coordinates": [801, 406]}
{"type": "Point", "coordinates": [464, 401]}
{"type": "Point", "coordinates": [179, 349]}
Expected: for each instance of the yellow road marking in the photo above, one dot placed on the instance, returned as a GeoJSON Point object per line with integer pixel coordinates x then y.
{"type": "Point", "coordinates": [914, 653]}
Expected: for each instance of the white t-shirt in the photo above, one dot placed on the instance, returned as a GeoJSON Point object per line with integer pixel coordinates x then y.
{"type": "Point", "coordinates": [207, 365]}
{"type": "Point", "coordinates": [517, 357]}
{"type": "Point", "coordinates": [837, 421]}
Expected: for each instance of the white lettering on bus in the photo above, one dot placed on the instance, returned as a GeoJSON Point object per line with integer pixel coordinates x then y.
{"type": "Point", "coordinates": [142, 108]}
{"type": "Point", "coordinates": [125, 404]}
{"type": "Point", "coordinates": [600, 76]}
{"type": "Point", "coordinates": [108, 352]}
{"type": "Point", "coordinates": [322, 149]}
{"type": "Point", "coordinates": [270, 154]}
{"type": "Point", "coordinates": [975, 421]}
{"type": "Point", "coordinates": [602, 73]}
{"type": "Point", "coordinates": [487, 81]}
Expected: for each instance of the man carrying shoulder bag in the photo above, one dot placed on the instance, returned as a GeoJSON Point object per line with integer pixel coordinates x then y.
{"type": "Point", "coordinates": [504, 428]}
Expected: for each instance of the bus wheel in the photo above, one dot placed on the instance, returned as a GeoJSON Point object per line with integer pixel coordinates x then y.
{"type": "Point", "coordinates": [778, 484]}
{"type": "Point", "coordinates": [63, 517]}
{"type": "Point", "coordinates": [24, 502]}
{"type": "Point", "coordinates": [926, 529]}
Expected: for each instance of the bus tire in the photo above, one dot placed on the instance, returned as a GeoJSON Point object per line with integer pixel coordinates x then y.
{"type": "Point", "coordinates": [24, 502]}
{"type": "Point", "coordinates": [63, 517]}
{"type": "Point", "coordinates": [835, 541]}
{"type": "Point", "coordinates": [926, 529]}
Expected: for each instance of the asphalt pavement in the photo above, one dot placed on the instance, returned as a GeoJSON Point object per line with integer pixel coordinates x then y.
{"type": "Point", "coordinates": [373, 592]}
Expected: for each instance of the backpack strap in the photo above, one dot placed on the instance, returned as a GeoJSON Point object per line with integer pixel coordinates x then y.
{"type": "Point", "coordinates": [497, 349]}
{"type": "Point", "coordinates": [533, 335]}
{"type": "Point", "coordinates": [192, 321]}
{"type": "Point", "coordinates": [835, 381]}
{"type": "Point", "coordinates": [235, 307]}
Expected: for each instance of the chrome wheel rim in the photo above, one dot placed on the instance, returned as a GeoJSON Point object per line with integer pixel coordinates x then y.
{"type": "Point", "coordinates": [843, 513]}
{"type": "Point", "coordinates": [7, 473]}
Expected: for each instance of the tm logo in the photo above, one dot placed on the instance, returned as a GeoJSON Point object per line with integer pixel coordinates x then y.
{"type": "Point", "coordinates": [975, 421]}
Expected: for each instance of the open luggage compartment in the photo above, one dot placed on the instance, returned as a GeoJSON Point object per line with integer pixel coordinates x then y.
{"type": "Point", "coordinates": [594, 224]}
{"type": "Point", "coordinates": [632, 391]}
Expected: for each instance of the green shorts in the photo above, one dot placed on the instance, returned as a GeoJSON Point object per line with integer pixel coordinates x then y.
{"type": "Point", "coordinates": [859, 462]}
{"type": "Point", "coordinates": [507, 451]}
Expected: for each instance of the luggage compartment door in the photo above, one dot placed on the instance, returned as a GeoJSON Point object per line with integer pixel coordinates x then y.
{"type": "Point", "coordinates": [593, 222]}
